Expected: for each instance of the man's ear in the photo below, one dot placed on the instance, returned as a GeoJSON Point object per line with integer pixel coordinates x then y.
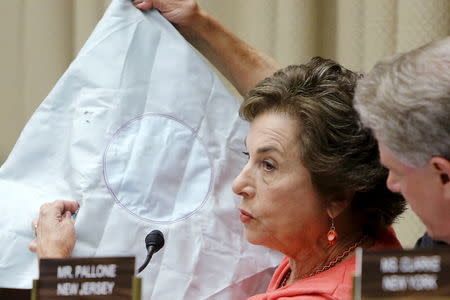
{"type": "Point", "coordinates": [337, 204]}
{"type": "Point", "coordinates": [441, 166]}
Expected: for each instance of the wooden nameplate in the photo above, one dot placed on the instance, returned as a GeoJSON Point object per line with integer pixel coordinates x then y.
{"type": "Point", "coordinates": [403, 274]}
{"type": "Point", "coordinates": [87, 278]}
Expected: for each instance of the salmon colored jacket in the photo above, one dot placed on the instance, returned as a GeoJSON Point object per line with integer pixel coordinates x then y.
{"type": "Point", "coordinates": [333, 284]}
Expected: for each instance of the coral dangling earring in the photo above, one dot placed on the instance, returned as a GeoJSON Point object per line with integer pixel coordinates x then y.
{"type": "Point", "coordinates": [332, 234]}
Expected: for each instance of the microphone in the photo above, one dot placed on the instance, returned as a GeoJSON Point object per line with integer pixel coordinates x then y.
{"type": "Point", "coordinates": [154, 241]}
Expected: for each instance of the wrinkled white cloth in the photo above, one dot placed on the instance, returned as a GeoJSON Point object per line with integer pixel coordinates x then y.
{"type": "Point", "coordinates": [144, 136]}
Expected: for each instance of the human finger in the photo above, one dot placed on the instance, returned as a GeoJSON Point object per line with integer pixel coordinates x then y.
{"type": "Point", "coordinates": [67, 219]}
{"type": "Point", "coordinates": [58, 207]}
{"type": "Point", "coordinates": [66, 205]}
{"type": "Point", "coordinates": [34, 224]}
{"type": "Point", "coordinates": [143, 4]}
{"type": "Point", "coordinates": [32, 246]}
{"type": "Point", "coordinates": [34, 227]}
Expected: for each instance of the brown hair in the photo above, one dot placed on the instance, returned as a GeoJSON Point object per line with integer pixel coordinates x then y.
{"type": "Point", "coordinates": [340, 155]}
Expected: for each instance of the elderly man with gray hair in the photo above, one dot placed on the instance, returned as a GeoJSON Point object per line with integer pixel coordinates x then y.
{"type": "Point", "coordinates": [405, 100]}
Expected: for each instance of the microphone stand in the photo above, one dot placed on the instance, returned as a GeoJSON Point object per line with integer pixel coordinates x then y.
{"type": "Point", "coordinates": [147, 260]}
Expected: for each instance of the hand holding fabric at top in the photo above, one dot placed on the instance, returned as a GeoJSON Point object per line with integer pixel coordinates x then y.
{"type": "Point", "coordinates": [239, 62]}
{"type": "Point", "coordinates": [179, 12]}
{"type": "Point", "coordinates": [54, 230]}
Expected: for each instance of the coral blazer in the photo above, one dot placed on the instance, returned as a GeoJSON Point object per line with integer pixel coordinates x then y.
{"type": "Point", "coordinates": [333, 284]}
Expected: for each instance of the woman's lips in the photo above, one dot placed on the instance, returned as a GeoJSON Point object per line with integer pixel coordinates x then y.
{"type": "Point", "coordinates": [245, 216]}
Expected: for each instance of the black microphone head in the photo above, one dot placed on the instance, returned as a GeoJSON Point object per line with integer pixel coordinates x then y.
{"type": "Point", "coordinates": [155, 239]}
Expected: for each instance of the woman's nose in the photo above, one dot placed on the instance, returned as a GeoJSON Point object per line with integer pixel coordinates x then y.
{"type": "Point", "coordinates": [243, 183]}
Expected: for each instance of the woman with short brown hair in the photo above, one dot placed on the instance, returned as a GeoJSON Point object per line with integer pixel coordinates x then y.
{"type": "Point", "coordinates": [313, 188]}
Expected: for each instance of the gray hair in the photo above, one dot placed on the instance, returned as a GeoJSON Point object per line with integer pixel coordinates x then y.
{"type": "Point", "coordinates": [405, 100]}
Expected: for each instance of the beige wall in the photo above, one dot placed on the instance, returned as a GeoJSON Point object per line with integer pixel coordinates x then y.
{"type": "Point", "coordinates": [40, 38]}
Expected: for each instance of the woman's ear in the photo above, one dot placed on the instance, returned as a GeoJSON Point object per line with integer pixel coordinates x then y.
{"type": "Point", "coordinates": [338, 203]}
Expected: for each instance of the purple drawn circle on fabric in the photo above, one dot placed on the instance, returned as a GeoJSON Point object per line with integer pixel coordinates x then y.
{"type": "Point", "coordinates": [156, 167]}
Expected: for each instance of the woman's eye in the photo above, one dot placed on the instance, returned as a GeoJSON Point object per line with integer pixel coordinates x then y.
{"type": "Point", "coordinates": [268, 166]}
{"type": "Point", "coordinates": [246, 154]}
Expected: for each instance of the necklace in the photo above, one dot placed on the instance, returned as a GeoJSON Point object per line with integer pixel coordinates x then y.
{"type": "Point", "coordinates": [285, 278]}
{"type": "Point", "coordinates": [324, 267]}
